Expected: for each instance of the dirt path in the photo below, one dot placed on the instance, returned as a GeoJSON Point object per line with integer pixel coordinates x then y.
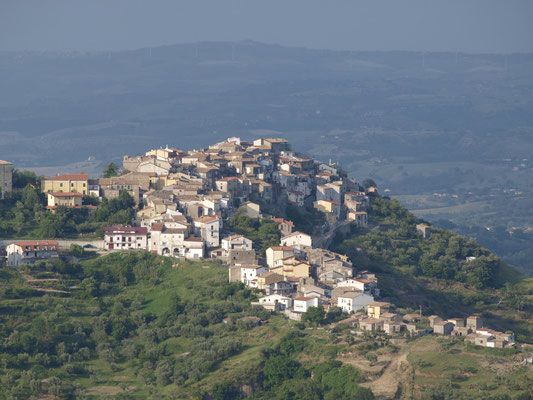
{"type": "Point", "coordinates": [386, 386]}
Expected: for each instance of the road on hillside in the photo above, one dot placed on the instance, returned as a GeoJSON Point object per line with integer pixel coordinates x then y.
{"type": "Point", "coordinates": [324, 240]}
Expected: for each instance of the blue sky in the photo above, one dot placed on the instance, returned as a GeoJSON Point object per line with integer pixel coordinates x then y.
{"type": "Point", "coordinates": [496, 26]}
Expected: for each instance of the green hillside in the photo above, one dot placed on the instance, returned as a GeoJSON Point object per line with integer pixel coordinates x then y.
{"type": "Point", "coordinates": [136, 325]}
{"type": "Point", "coordinates": [434, 273]}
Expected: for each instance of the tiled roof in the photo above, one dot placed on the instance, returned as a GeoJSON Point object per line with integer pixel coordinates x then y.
{"type": "Point", "coordinates": [37, 245]}
{"type": "Point", "coordinates": [69, 177]}
{"type": "Point", "coordinates": [66, 194]}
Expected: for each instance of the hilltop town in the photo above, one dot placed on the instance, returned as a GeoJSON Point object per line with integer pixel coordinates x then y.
{"type": "Point", "coordinates": [188, 202]}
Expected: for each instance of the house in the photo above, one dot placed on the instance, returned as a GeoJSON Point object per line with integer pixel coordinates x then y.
{"type": "Point", "coordinates": [291, 267]}
{"type": "Point", "coordinates": [165, 240]}
{"type": "Point", "coordinates": [6, 178]}
{"type": "Point", "coordinates": [277, 253]}
{"type": "Point", "coordinates": [193, 248]}
{"type": "Point", "coordinates": [298, 240]}
{"type": "Point", "coordinates": [249, 274]}
{"type": "Point", "coordinates": [252, 210]}
{"type": "Point", "coordinates": [296, 198]}
{"type": "Point", "coordinates": [275, 302]}
{"type": "Point", "coordinates": [371, 324]}
{"type": "Point", "coordinates": [302, 304]}
{"type": "Point", "coordinates": [241, 257]}
{"type": "Point", "coordinates": [125, 238]}
{"type": "Point", "coordinates": [284, 226]}
{"type": "Point", "coordinates": [412, 317]}
{"type": "Point", "coordinates": [30, 251]}
{"type": "Point", "coordinates": [329, 207]}
{"type": "Point", "coordinates": [230, 185]}
{"type": "Point", "coordinates": [67, 199]}
{"type": "Point", "coordinates": [66, 183]}
{"type": "Point", "coordinates": [273, 283]}
{"type": "Point", "coordinates": [376, 308]}
{"type": "Point", "coordinates": [457, 322]}
{"type": "Point", "coordinates": [367, 286]}
{"type": "Point", "coordinates": [474, 322]}
{"type": "Point", "coordinates": [359, 217]}
{"type": "Point", "coordinates": [111, 188]}
{"type": "Point", "coordinates": [461, 331]}
{"type": "Point", "coordinates": [353, 301]}
{"type": "Point", "coordinates": [208, 227]}
{"type": "Point", "coordinates": [443, 328]}
{"type": "Point", "coordinates": [274, 145]}
{"type": "Point", "coordinates": [392, 327]}
{"type": "Point", "coordinates": [236, 242]}
{"type": "Point", "coordinates": [433, 319]}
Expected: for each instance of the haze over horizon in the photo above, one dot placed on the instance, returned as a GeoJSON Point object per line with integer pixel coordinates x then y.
{"type": "Point", "coordinates": [477, 26]}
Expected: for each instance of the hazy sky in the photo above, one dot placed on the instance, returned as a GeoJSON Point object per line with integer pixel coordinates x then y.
{"type": "Point", "coordinates": [464, 25]}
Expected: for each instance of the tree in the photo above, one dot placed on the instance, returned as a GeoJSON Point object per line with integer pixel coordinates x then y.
{"type": "Point", "coordinates": [111, 170]}
{"type": "Point", "coordinates": [279, 368]}
{"type": "Point", "coordinates": [368, 183]}
{"type": "Point", "coordinates": [314, 315]}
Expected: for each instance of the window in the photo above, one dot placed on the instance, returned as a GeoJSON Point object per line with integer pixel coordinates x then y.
{"type": "Point", "coordinates": [60, 185]}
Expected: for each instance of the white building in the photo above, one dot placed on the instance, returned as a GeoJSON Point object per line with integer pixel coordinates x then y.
{"type": "Point", "coordinates": [236, 242]}
{"type": "Point", "coordinates": [167, 241]}
{"type": "Point", "coordinates": [208, 228]}
{"type": "Point", "coordinates": [282, 302]}
{"type": "Point", "coordinates": [353, 301]}
{"type": "Point", "coordinates": [125, 238]}
{"type": "Point", "coordinates": [30, 251]}
{"type": "Point", "coordinates": [302, 304]}
{"type": "Point", "coordinates": [297, 239]}
{"type": "Point", "coordinates": [193, 248]}
{"type": "Point", "coordinates": [249, 274]}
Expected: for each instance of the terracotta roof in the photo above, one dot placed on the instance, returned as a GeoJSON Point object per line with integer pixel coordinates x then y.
{"type": "Point", "coordinates": [252, 266]}
{"type": "Point", "coordinates": [282, 248]}
{"type": "Point", "coordinates": [157, 227]}
{"type": "Point", "coordinates": [305, 298]}
{"type": "Point", "coordinates": [207, 218]}
{"type": "Point", "coordinates": [36, 245]}
{"type": "Point", "coordinates": [2, 162]}
{"type": "Point", "coordinates": [227, 179]}
{"type": "Point", "coordinates": [69, 177]}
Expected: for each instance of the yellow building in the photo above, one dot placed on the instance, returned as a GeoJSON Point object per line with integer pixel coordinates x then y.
{"type": "Point", "coordinates": [377, 308]}
{"type": "Point", "coordinates": [68, 199]}
{"type": "Point", "coordinates": [78, 183]}
{"type": "Point", "coordinates": [292, 268]}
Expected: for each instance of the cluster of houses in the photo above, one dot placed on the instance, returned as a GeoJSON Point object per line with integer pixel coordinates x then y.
{"type": "Point", "coordinates": [184, 197]}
